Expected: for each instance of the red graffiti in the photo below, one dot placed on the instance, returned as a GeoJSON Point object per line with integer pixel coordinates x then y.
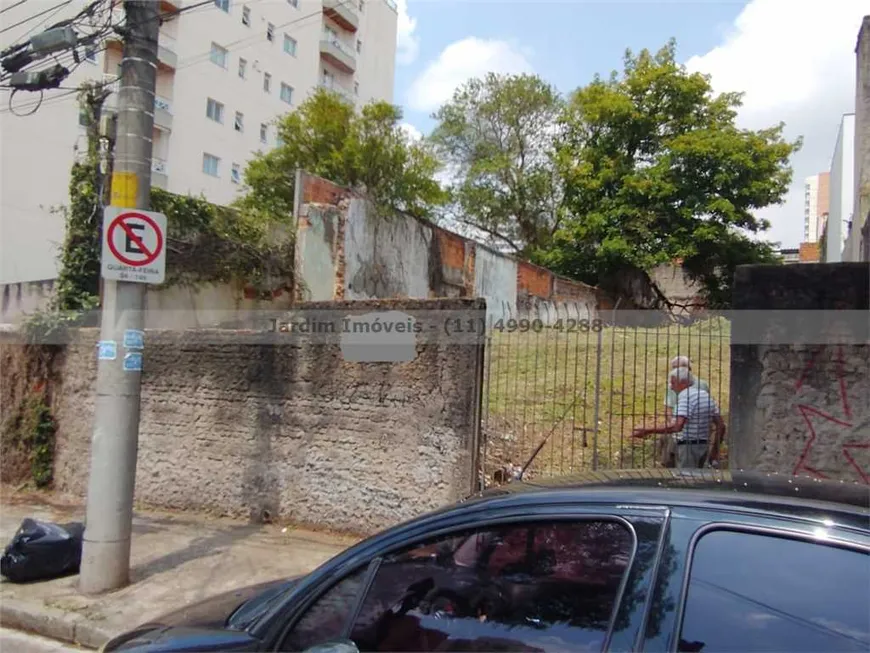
{"type": "Point", "coordinates": [807, 411]}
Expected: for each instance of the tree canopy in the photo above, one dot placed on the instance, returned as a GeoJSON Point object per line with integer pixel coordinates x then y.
{"type": "Point", "coordinates": [496, 134]}
{"type": "Point", "coordinates": [366, 150]}
{"type": "Point", "coordinates": [644, 168]}
{"type": "Point", "coordinates": [656, 170]}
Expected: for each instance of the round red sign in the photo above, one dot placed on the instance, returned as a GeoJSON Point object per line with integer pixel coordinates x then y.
{"type": "Point", "coordinates": [137, 253]}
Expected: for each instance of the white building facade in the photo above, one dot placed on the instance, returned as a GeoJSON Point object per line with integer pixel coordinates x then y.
{"type": "Point", "coordinates": [842, 190]}
{"type": "Point", "coordinates": [226, 72]}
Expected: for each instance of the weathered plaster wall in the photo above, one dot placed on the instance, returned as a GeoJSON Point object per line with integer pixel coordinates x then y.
{"type": "Point", "coordinates": [236, 425]}
{"type": "Point", "coordinates": [400, 256]}
{"type": "Point", "coordinates": [802, 409]}
{"type": "Point", "coordinates": [385, 256]}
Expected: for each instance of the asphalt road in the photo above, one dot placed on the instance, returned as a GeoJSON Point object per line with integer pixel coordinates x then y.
{"type": "Point", "coordinates": [19, 642]}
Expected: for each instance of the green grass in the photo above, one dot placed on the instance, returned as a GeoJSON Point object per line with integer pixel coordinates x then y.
{"type": "Point", "coordinates": [545, 383]}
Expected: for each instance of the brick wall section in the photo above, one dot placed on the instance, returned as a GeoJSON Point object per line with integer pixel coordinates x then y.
{"type": "Point", "coordinates": [318, 190]}
{"type": "Point", "coordinates": [533, 280]}
{"type": "Point", "coordinates": [801, 408]}
{"type": "Point", "coordinates": [566, 290]}
{"type": "Point", "coordinates": [236, 427]}
{"type": "Point", "coordinates": [809, 253]}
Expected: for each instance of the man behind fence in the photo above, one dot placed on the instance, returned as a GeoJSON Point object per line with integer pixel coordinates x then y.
{"type": "Point", "coordinates": [690, 429]}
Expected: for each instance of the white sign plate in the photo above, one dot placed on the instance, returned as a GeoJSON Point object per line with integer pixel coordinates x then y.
{"type": "Point", "coordinates": [134, 245]}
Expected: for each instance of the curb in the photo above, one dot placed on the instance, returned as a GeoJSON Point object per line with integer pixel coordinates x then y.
{"type": "Point", "coordinates": [52, 623]}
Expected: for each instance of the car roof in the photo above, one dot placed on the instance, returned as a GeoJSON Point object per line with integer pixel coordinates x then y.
{"type": "Point", "coordinates": [738, 489]}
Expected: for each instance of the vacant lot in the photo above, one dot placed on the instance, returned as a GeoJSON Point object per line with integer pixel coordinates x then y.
{"type": "Point", "coordinates": [588, 390]}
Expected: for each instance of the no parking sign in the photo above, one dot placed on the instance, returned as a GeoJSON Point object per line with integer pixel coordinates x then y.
{"type": "Point", "coordinates": [134, 245]}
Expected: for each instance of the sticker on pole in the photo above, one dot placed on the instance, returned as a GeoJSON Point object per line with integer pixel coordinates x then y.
{"type": "Point", "coordinates": [134, 245]}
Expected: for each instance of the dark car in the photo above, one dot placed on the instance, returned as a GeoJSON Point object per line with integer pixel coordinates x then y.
{"type": "Point", "coordinates": [653, 560]}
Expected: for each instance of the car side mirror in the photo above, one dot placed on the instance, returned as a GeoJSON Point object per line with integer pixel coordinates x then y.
{"type": "Point", "coordinates": [337, 646]}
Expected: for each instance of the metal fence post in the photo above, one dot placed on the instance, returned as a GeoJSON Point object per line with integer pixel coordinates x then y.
{"type": "Point", "coordinates": [599, 346]}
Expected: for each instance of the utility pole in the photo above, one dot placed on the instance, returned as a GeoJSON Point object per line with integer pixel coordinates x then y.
{"type": "Point", "coordinates": [108, 523]}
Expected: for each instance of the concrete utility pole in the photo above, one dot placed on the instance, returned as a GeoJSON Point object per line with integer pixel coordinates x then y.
{"type": "Point", "coordinates": [106, 553]}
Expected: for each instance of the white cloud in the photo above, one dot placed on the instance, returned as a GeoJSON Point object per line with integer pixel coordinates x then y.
{"type": "Point", "coordinates": [795, 60]}
{"type": "Point", "coordinates": [413, 133]}
{"type": "Point", "coordinates": [459, 62]}
{"type": "Point", "coordinates": [407, 43]}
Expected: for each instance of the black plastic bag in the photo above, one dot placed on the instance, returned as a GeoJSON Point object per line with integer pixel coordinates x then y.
{"type": "Point", "coordinates": [42, 550]}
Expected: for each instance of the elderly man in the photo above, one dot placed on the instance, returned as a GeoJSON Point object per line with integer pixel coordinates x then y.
{"type": "Point", "coordinates": [690, 428]}
{"type": "Point", "coordinates": [670, 396]}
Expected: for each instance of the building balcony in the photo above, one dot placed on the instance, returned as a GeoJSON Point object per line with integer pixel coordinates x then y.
{"type": "Point", "coordinates": [337, 53]}
{"type": "Point", "coordinates": [343, 13]}
{"type": "Point", "coordinates": [159, 173]}
{"type": "Point", "coordinates": [345, 94]}
{"type": "Point", "coordinates": [166, 57]}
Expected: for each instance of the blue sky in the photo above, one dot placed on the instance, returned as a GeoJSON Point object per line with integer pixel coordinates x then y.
{"type": "Point", "coordinates": [793, 58]}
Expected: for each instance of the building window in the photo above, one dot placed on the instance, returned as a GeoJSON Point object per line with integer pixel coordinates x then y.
{"type": "Point", "coordinates": [270, 32]}
{"type": "Point", "coordinates": [243, 67]}
{"type": "Point", "coordinates": [236, 173]}
{"type": "Point", "coordinates": [289, 45]}
{"type": "Point", "coordinates": [278, 140]}
{"type": "Point", "coordinates": [219, 55]}
{"type": "Point", "coordinates": [356, 88]}
{"type": "Point", "coordinates": [214, 110]}
{"type": "Point", "coordinates": [90, 54]}
{"type": "Point", "coordinates": [210, 164]}
{"type": "Point", "coordinates": [246, 16]}
{"type": "Point", "coordinates": [286, 93]}
{"type": "Point", "coordinates": [223, 5]}
{"type": "Point", "coordinates": [264, 132]}
{"type": "Point", "coordinates": [358, 45]}
{"type": "Point", "coordinates": [239, 122]}
{"type": "Point", "coordinates": [267, 82]}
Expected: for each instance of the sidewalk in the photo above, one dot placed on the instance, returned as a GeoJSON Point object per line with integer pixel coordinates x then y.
{"type": "Point", "coordinates": [176, 559]}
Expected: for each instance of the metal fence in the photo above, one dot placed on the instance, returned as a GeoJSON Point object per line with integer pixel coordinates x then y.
{"type": "Point", "coordinates": [576, 388]}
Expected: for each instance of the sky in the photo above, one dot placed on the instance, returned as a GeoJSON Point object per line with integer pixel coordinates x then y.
{"type": "Point", "coordinates": [794, 59]}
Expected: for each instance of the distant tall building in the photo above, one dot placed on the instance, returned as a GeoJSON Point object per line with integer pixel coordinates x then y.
{"type": "Point", "coordinates": [816, 205]}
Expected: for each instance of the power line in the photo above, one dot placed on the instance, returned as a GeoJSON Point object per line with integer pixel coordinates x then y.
{"type": "Point", "coordinates": [34, 16]}
{"type": "Point", "coordinates": [5, 9]}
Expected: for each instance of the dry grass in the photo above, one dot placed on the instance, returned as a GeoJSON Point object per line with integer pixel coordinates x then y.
{"type": "Point", "coordinates": [552, 383]}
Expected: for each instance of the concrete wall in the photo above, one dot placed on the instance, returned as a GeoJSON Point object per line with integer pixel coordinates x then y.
{"type": "Point", "coordinates": [802, 409]}
{"type": "Point", "coordinates": [859, 247]}
{"type": "Point", "coordinates": [18, 299]}
{"type": "Point", "coordinates": [291, 427]}
{"type": "Point", "coordinates": [346, 250]}
{"type": "Point", "coordinates": [175, 307]}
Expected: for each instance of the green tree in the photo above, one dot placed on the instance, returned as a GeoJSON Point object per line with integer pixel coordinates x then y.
{"type": "Point", "coordinates": [366, 150]}
{"type": "Point", "coordinates": [656, 170]}
{"type": "Point", "coordinates": [496, 135]}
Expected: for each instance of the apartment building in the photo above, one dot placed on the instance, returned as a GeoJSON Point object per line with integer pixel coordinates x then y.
{"type": "Point", "coordinates": [225, 73]}
{"type": "Point", "coordinates": [816, 205]}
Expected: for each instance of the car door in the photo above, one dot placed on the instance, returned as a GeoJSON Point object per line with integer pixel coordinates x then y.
{"type": "Point", "coordinates": [771, 585]}
{"type": "Point", "coordinates": [570, 580]}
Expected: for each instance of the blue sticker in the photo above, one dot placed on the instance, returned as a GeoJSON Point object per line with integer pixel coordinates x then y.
{"type": "Point", "coordinates": [134, 339]}
{"type": "Point", "coordinates": [133, 362]}
{"type": "Point", "coordinates": [107, 350]}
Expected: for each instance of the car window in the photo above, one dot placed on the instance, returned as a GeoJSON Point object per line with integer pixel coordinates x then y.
{"type": "Point", "coordinates": [750, 592]}
{"type": "Point", "coordinates": [326, 619]}
{"type": "Point", "coordinates": [526, 587]}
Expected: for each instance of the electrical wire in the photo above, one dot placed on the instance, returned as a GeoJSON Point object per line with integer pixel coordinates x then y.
{"type": "Point", "coordinates": [192, 61]}
{"type": "Point", "coordinates": [29, 113]}
{"type": "Point", "coordinates": [35, 16]}
{"type": "Point", "coordinates": [5, 9]}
